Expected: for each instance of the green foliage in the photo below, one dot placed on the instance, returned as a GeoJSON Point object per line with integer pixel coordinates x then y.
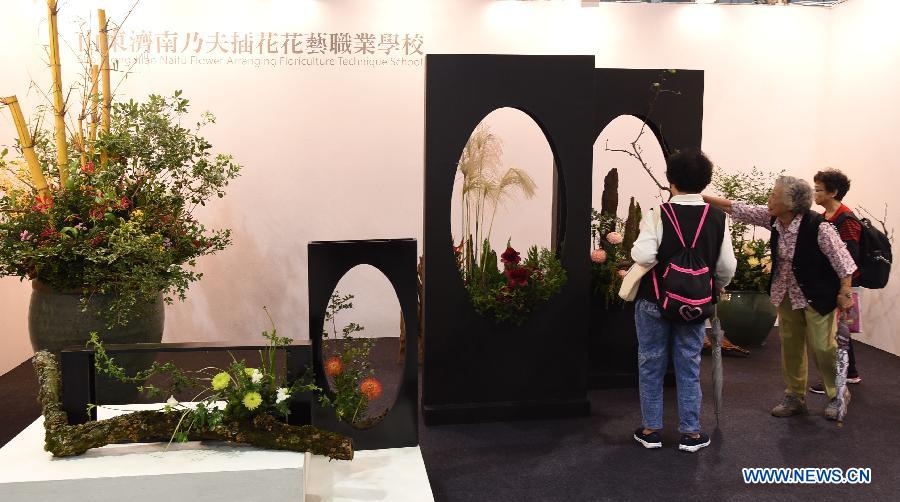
{"type": "Point", "coordinates": [127, 229]}
{"type": "Point", "coordinates": [511, 295]}
{"type": "Point", "coordinates": [754, 262]}
{"type": "Point", "coordinates": [349, 402]}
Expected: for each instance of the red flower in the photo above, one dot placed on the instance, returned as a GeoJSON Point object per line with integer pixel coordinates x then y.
{"type": "Point", "coordinates": [371, 388]}
{"type": "Point", "coordinates": [97, 240]}
{"type": "Point", "coordinates": [88, 168]}
{"type": "Point", "coordinates": [457, 250]}
{"type": "Point", "coordinates": [517, 276]}
{"type": "Point", "coordinates": [97, 213]}
{"type": "Point", "coordinates": [123, 204]}
{"type": "Point", "coordinates": [510, 256]}
{"type": "Point", "coordinates": [334, 366]}
{"type": "Point", "coordinates": [43, 203]}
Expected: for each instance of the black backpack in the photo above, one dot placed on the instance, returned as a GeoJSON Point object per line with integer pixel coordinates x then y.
{"type": "Point", "coordinates": [685, 292]}
{"type": "Point", "coordinates": [874, 253]}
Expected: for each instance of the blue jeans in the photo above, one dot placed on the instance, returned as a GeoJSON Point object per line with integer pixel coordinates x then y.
{"type": "Point", "coordinates": [653, 334]}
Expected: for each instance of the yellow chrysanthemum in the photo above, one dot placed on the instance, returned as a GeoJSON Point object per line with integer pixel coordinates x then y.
{"type": "Point", "coordinates": [753, 261]}
{"type": "Point", "coordinates": [221, 381]}
{"type": "Point", "coordinates": [252, 400]}
{"type": "Point", "coordinates": [137, 214]}
{"type": "Point", "coordinates": [249, 372]}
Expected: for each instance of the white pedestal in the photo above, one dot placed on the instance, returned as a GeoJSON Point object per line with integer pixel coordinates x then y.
{"type": "Point", "coordinates": [194, 471]}
{"type": "Point", "coordinates": [396, 475]}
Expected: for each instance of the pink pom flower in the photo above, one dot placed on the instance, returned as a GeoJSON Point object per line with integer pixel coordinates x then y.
{"type": "Point", "coordinates": [622, 273]}
{"type": "Point", "coordinates": [614, 238]}
{"type": "Point", "coordinates": [598, 256]}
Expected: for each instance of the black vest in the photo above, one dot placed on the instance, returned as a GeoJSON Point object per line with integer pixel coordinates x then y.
{"type": "Point", "coordinates": [709, 243]}
{"type": "Point", "coordinates": [816, 277]}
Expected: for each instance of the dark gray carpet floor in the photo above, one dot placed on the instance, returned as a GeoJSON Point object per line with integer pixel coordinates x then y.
{"type": "Point", "coordinates": [594, 458]}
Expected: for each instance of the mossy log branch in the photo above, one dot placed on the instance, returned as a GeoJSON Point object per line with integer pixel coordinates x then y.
{"type": "Point", "coordinates": [264, 431]}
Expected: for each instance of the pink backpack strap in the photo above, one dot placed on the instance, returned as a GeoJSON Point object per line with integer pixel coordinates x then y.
{"type": "Point", "coordinates": [671, 214]}
{"type": "Point", "coordinates": [700, 226]}
{"type": "Point", "coordinates": [655, 285]}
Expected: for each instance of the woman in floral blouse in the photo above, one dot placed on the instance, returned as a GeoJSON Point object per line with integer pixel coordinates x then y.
{"type": "Point", "coordinates": [810, 279]}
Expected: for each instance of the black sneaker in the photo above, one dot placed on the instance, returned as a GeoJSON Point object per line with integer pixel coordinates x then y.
{"type": "Point", "coordinates": [692, 444]}
{"type": "Point", "coordinates": [651, 440]}
{"type": "Point", "coordinates": [818, 388]}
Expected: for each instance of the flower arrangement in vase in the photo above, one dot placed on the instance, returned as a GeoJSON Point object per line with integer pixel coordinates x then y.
{"type": "Point", "coordinates": [612, 239]}
{"type": "Point", "coordinates": [107, 207]}
{"type": "Point", "coordinates": [754, 261]}
{"type": "Point", "coordinates": [510, 294]}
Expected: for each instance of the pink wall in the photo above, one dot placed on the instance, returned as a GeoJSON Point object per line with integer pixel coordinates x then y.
{"type": "Point", "coordinates": [859, 134]}
{"type": "Point", "coordinates": [336, 152]}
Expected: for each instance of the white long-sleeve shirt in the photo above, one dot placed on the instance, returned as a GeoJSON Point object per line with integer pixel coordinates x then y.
{"type": "Point", "coordinates": [650, 237]}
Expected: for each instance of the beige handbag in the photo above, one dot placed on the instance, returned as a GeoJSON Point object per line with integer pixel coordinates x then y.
{"type": "Point", "coordinates": [632, 280]}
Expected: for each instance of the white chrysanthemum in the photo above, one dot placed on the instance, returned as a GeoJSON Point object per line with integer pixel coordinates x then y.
{"type": "Point", "coordinates": [281, 395]}
{"type": "Point", "coordinates": [255, 375]}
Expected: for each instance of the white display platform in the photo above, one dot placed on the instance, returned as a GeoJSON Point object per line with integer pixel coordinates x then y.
{"type": "Point", "coordinates": [193, 471]}
{"type": "Point", "coordinates": [395, 474]}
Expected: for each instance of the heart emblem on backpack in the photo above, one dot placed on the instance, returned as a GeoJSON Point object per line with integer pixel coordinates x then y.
{"type": "Point", "coordinates": [690, 313]}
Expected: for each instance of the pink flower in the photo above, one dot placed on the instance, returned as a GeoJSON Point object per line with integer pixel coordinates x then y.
{"type": "Point", "coordinates": [598, 256]}
{"type": "Point", "coordinates": [510, 256]}
{"type": "Point", "coordinates": [614, 238]}
{"type": "Point", "coordinates": [622, 273]}
{"type": "Point", "coordinates": [25, 235]}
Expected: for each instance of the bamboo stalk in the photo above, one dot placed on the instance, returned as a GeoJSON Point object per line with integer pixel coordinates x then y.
{"type": "Point", "coordinates": [25, 141]}
{"type": "Point", "coordinates": [104, 72]}
{"type": "Point", "coordinates": [95, 100]}
{"type": "Point", "coordinates": [59, 112]}
{"type": "Point", "coordinates": [79, 142]}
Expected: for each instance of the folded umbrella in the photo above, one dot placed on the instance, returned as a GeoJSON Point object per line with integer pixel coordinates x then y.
{"type": "Point", "coordinates": [716, 337]}
{"type": "Point", "coordinates": [841, 363]}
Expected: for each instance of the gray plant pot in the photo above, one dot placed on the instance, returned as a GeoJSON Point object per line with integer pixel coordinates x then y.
{"type": "Point", "coordinates": [747, 317]}
{"type": "Point", "coordinates": [56, 321]}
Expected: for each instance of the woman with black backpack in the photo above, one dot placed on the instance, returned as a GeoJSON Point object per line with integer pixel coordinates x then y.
{"type": "Point", "coordinates": [829, 188]}
{"type": "Point", "coordinates": [688, 244]}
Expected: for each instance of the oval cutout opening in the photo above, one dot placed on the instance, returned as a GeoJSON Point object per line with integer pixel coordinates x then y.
{"type": "Point", "coordinates": [376, 351]}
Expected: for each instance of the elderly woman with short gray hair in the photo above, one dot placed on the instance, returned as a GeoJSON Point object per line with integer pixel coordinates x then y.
{"type": "Point", "coordinates": [811, 276]}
